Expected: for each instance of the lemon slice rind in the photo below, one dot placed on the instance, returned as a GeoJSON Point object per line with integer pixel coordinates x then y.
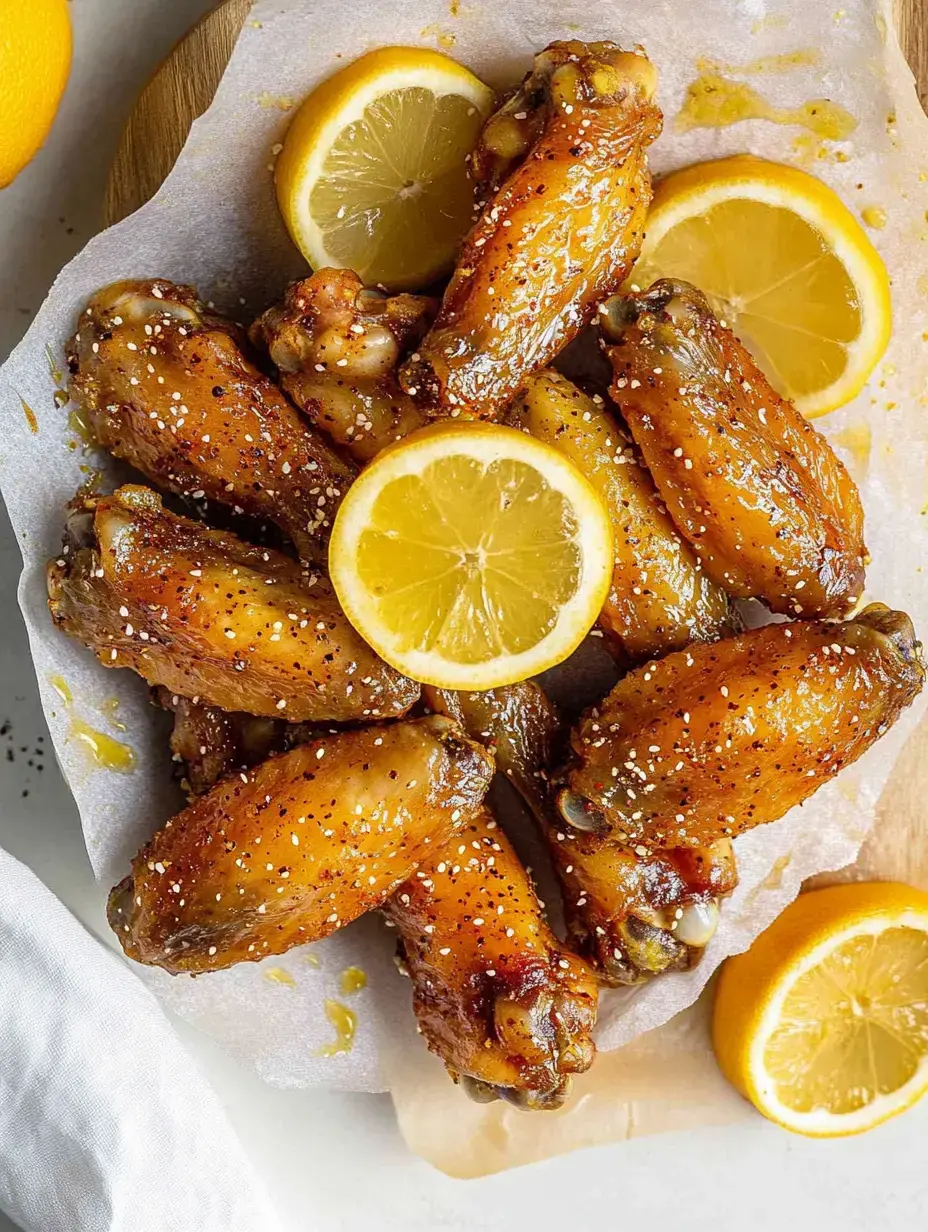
{"type": "Point", "coordinates": [486, 444]}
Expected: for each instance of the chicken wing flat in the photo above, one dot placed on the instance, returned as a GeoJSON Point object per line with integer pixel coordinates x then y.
{"type": "Point", "coordinates": [507, 1007]}
{"type": "Point", "coordinates": [634, 914]}
{"type": "Point", "coordinates": [565, 168]}
{"type": "Point", "coordinates": [768, 507]}
{"type": "Point", "coordinates": [299, 846]}
{"type": "Point", "coordinates": [716, 739]}
{"type": "Point", "coordinates": [337, 345]}
{"type": "Point", "coordinates": [211, 617]}
{"type": "Point", "coordinates": [166, 385]}
{"type": "Point", "coordinates": [660, 599]}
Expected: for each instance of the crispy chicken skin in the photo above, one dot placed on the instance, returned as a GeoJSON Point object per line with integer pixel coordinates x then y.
{"type": "Point", "coordinates": [660, 599]}
{"type": "Point", "coordinates": [761, 496]}
{"type": "Point", "coordinates": [299, 846]}
{"type": "Point", "coordinates": [716, 739]}
{"type": "Point", "coordinates": [507, 1007]}
{"type": "Point", "coordinates": [337, 345]}
{"type": "Point", "coordinates": [565, 169]}
{"type": "Point", "coordinates": [166, 385]}
{"type": "Point", "coordinates": [211, 617]}
{"type": "Point", "coordinates": [634, 914]}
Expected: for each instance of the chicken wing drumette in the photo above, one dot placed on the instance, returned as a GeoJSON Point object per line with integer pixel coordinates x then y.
{"type": "Point", "coordinates": [507, 1007]}
{"type": "Point", "coordinates": [299, 846]}
{"type": "Point", "coordinates": [211, 617]}
{"type": "Point", "coordinates": [633, 913]}
{"type": "Point", "coordinates": [768, 507]}
{"type": "Point", "coordinates": [337, 345]}
{"type": "Point", "coordinates": [565, 171]}
{"type": "Point", "coordinates": [165, 384]}
{"type": "Point", "coordinates": [660, 599]}
{"type": "Point", "coordinates": [713, 740]}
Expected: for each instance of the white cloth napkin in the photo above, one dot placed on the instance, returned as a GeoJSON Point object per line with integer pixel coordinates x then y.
{"type": "Point", "coordinates": [106, 1124]}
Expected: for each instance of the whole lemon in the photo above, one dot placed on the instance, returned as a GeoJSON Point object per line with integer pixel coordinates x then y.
{"type": "Point", "coordinates": [35, 58]}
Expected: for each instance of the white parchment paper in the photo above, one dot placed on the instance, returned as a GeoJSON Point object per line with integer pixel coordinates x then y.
{"type": "Point", "coordinates": [215, 224]}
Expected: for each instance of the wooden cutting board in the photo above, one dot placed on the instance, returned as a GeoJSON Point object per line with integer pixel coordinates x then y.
{"type": "Point", "coordinates": [183, 88]}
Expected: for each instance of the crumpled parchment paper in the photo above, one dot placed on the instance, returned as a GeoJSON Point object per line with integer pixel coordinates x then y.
{"type": "Point", "coordinates": [215, 224]}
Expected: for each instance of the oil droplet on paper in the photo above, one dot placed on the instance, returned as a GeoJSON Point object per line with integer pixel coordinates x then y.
{"type": "Point", "coordinates": [345, 1022]}
{"type": "Point", "coordinates": [803, 57]}
{"type": "Point", "coordinates": [312, 960]}
{"type": "Point", "coordinates": [111, 708]}
{"type": "Point", "coordinates": [277, 975]}
{"type": "Point", "coordinates": [874, 216]}
{"type": "Point", "coordinates": [858, 441]}
{"type": "Point", "coordinates": [81, 429]}
{"type": "Point", "coordinates": [273, 102]}
{"type": "Point", "coordinates": [30, 415]}
{"type": "Point", "coordinates": [353, 979]}
{"type": "Point", "coordinates": [105, 752]}
{"type": "Point", "coordinates": [54, 371]}
{"type": "Point", "coordinates": [715, 101]}
{"type": "Point", "coordinates": [774, 879]}
{"type": "Point", "coordinates": [62, 688]}
{"type": "Point", "coordinates": [442, 37]}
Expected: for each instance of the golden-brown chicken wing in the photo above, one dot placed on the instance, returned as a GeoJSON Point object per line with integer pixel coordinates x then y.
{"type": "Point", "coordinates": [507, 1007]}
{"type": "Point", "coordinates": [299, 846]}
{"type": "Point", "coordinates": [337, 345]}
{"type": "Point", "coordinates": [566, 171]}
{"type": "Point", "coordinates": [659, 599]}
{"type": "Point", "coordinates": [633, 913]}
{"type": "Point", "coordinates": [165, 385]}
{"type": "Point", "coordinates": [211, 617]}
{"type": "Point", "coordinates": [636, 914]}
{"type": "Point", "coordinates": [770, 510]}
{"type": "Point", "coordinates": [716, 739]}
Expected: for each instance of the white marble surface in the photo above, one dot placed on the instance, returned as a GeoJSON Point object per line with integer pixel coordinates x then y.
{"type": "Point", "coordinates": [336, 1163]}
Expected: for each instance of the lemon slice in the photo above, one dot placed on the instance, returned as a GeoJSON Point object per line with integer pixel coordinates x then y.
{"type": "Point", "coordinates": [823, 1023]}
{"type": "Point", "coordinates": [471, 556]}
{"type": "Point", "coordinates": [784, 263]}
{"type": "Point", "coordinates": [374, 176]}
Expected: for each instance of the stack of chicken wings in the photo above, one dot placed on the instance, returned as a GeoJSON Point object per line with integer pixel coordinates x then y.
{"type": "Point", "coordinates": [322, 783]}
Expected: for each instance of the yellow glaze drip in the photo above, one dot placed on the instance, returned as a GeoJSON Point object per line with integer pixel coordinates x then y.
{"type": "Point", "coordinates": [110, 708]}
{"type": "Point", "coordinates": [345, 1022]}
{"type": "Point", "coordinates": [353, 979]}
{"type": "Point", "coordinates": [715, 101]}
{"type": "Point", "coordinates": [874, 216]}
{"type": "Point", "coordinates": [30, 415]}
{"type": "Point", "coordinates": [277, 975]}
{"type": "Point", "coordinates": [103, 750]}
{"type": "Point", "coordinates": [62, 688]}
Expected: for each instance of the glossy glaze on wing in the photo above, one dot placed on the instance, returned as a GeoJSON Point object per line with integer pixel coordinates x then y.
{"type": "Point", "coordinates": [297, 847]}
{"type": "Point", "coordinates": [716, 739]}
{"type": "Point", "coordinates": [211, 617]}
{"type": "Point", "coordinates": [634, 914]}
{"type": "Point", "coordinates": [660, 598]}
{"type": "Point", "coordinates": [568, 189]}
{"type": "Point", "coordinates": [165, 384]}
{"type": "Point", "coordinates": [337, 345]}
{"type": "Point", "coordinates": [504, 1004]}
{"type": "Point", "coordinates": [767, 505]}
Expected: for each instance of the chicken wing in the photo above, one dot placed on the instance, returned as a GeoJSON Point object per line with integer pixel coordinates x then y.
{"type": "Point", "coordinates": [633, 913]}
{"type": "Point", "coordinates": [209, 744]}
{"type": "Point", "coordinates": [660, 599]}
{"type": "Point", "coordinates": [565, 167]}
{"type": "Point", "coordinates": [337, 345]}
{"type": "Point", "coordinates": [211, 617]}
{"type": "Point", "coordinates": [507, 1008]}
{"type": "Point", "coordinates": [768, 507]}
{"type": "Point", "coordinates": [716, 739]}
{"type": "Point", "coordinates": [165, 385]}
{"type": "Point", "coordinates": [299, 846]}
